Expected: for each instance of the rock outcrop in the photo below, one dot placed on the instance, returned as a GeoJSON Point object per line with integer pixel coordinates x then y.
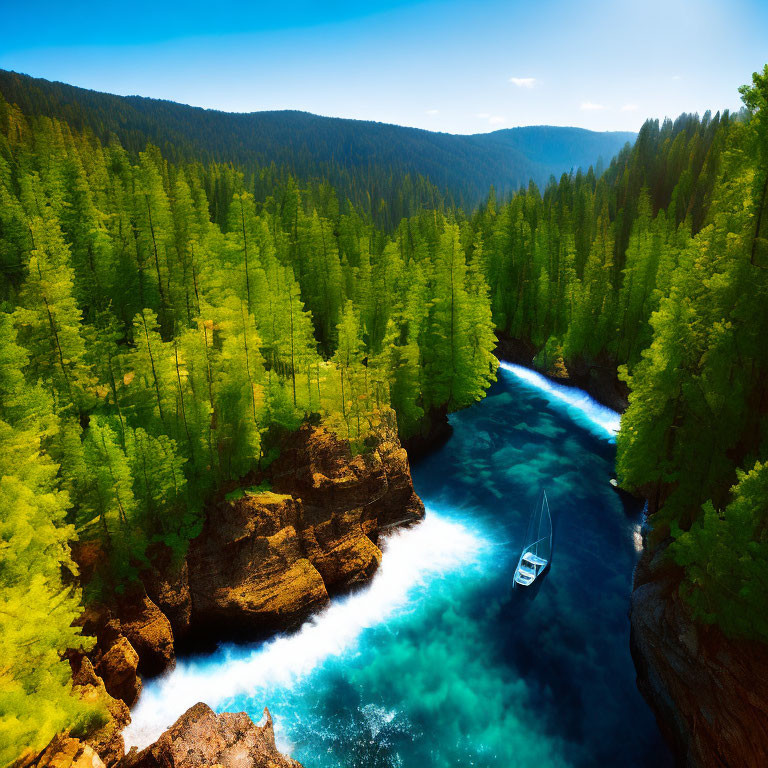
{"type": "Point", "coordinates": [133, 636]}
{"type": "Point", "coordinates": [709, 693]}
{"type": "Point", "coordinates": [167, 584]}
{"type": "Point", "coordinates": [319, 468]}
{"type": "Point", "coordinates": [149, 631]}
{"type": "Point", "coordinates": [201, 738]}
{"type": "Point", "coordinates": [107, 739]}
{"type": "Point", "coordinates": [262, 562]}
{"type": "Point", "coordinates": [66, 752]}
{"type": "Point", "coordinates": [248, 567]}
{"type": "Point", "coordinates": [118, 668]}
{"type": "Point", "coordinates": [113, 658]}
{"type": "Point", "coordinates": [266, 560]}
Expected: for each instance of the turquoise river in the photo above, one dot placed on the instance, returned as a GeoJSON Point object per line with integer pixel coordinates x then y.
{"type": "Point", "coordinates": [438, 661]}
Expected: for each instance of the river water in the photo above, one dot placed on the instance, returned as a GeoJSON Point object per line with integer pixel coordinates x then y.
{"type": "Point", "coordinates": [439, 661]}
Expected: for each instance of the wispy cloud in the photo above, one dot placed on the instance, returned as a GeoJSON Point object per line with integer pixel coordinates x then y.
{"type": "Point", "coordinates": [497, 120]}
{"type": "Point", "coordinates": [483, 115]}
{"type": "Point", "coordinates": [433, 111]}
{"type": "Point", "coordinates": [523, 82]}
{"type": "Point", "coordinates": [590, 106]}
{"type": "Point", "coordinates": [676, 77]}
{"type": "Point", "coordinates": [629, 108]}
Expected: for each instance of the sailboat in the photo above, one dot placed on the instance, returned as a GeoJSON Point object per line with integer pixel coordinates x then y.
{"type": "Point", "coordinates": [538, 547]}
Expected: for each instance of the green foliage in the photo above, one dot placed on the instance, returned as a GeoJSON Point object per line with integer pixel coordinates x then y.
{"type": "Point", "coordinates": [387, 171]}
{"type": "Point", "coordinates": [695, 437]}
{"type": "Point", "coordinates": [725, 556]}
{"type": "Point", "coordinates": [251, 490]}
{"type": "Point", "coordinates": [38, 603]}
{"type": "Point", "coordinates": [160, 318]}
{"type": "Point", "coordinates": [148, 349]}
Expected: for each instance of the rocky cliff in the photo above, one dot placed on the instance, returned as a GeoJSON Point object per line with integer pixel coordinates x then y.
{"type": "Point", "coordinates": [266, 560]}
{"type": "Point", "coordinates": [709, 693]}
{"type": "Point", "coordinates": [263, 561]}
{"type": "Point", "coordinates": [248, 568]}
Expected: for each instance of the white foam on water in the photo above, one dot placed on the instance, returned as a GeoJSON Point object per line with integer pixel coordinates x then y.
{"type": "Point", "coordinates": [601, 420]}
{"type": "Point", "coordinates": [412, 558]}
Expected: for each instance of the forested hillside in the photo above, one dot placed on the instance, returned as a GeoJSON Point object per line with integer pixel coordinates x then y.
{"type": "Point", "coordinates": [160, 325]}
{"type": "Point", "coordinates": [148, 354]}
{"type": "Point", "coordinates": [387, 171]}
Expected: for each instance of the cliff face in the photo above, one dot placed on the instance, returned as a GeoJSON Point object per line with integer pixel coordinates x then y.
{"type": "Point", "coordinates": [266, 560]}
{"type": "Point", "coordinates": [374, 489]}
{"type": "Point", "coordinates": [133, 636]}
{"type": "Point", "coordinates": [709, 693]}
{"type": "Point", "coordinates": [262, 562]}
{"type": "Point", "coordinates": [248, 568]}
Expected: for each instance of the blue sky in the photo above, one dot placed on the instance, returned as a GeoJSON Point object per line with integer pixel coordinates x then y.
{"type": "Point", "coordinates": [462, 67]}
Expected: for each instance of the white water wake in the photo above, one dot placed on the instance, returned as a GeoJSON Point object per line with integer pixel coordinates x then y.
{"type": "Point", "coordinates": [412, 558]}
{"type": "Point", "coordinates": [602, 420]}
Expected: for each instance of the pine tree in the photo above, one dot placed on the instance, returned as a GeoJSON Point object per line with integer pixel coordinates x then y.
{"type": "Point", "coordinates": [50, 321]}
{"type": "Point", "coordinates": [349, 363]}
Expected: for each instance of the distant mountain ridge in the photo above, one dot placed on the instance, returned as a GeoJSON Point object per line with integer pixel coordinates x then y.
{"type": "Point", "coordinates": [358, 157]}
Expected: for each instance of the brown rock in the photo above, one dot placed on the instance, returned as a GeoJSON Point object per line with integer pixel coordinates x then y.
{"type": "Point", "coordinates": [117, 667]}
{"type": "Point", "coordinates": [149, 632]}
{"type": "Point", "coordinates": [167, 584]}
{"type": "Point", "coordinates": [66, 752]}
{"type": "Point", "coordinates": [346, 500]}
{"type": "Point", "coordinates": [134, 616]}
{"type": "Point", "coordinates": [248, 568]}
{"type": "Point", "coordinates": [114, 657]}
{"type": "Point", "coordinates": [708, 692]}
{"type": "Point", "coordinates": [398, 505]}
{"type": "Point", "coordinates": [318, 467]}
{"type": "Point", "coordinates": [340, 548]}
{"type": "Point", "coordinates": [266, 560]}
{"type": "Point", "coordinates": [200, 738]}
{"type": "Point", "coordinates": [107, 739]}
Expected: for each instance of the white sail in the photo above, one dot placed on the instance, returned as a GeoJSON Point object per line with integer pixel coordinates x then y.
{"type": "Point", "coordinates": [537, 551]}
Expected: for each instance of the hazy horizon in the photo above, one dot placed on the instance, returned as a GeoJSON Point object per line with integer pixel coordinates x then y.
{"type": "Point", "coordinates": [429, 64]}
{"type": "Point", "coordinates": [335, 117]}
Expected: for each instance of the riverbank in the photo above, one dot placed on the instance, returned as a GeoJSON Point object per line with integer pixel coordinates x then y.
{"type": "Point", "coordinates": [704, 688]}
{"type": "Point", "coordinates": [246, 577]}
{"type": "Point", "coordinates": [437, 660]}
{"type": "Point", "coordinates": [269, 555]}
{"type": "Point", "coordinates": [598, 379]}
